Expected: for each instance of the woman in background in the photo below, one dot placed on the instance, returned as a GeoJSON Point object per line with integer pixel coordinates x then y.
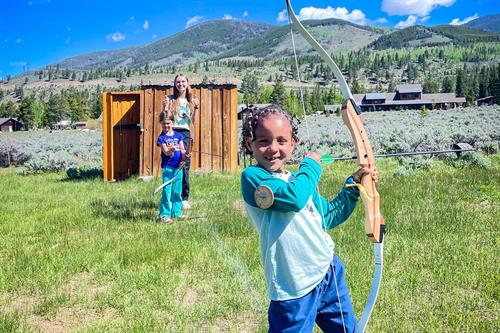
{"type": "Point", "coordinates": [183, 106]}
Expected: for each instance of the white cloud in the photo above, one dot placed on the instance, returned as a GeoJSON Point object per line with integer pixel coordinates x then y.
{"type": "Point", "coordinates": [457, 21]}
{"type": "Point", "coordinates": [227, 17]}
{"type": "Point", "coordinates": [19, 40]}
{"type": "Point", "coordinates": [116, 36]}
{"type": "Point", "coordinates": [146, 25]}
{"type": "Point", "coordinates": [425, 18]}
{"type": "Point", "coordinates": [245, 13]}
{"type": "Point", "coordinates": [193, 20]}
{"type": "Point", "coordinates": [313, 13]}
{"type": "Point", "coordinates": [413, 7]}
{"type": "Point", "coordinates": [411, 20]}
{"type": "Point", "coordinates": [282, 16]}
{"type": "Point", "coordinates": [380, 20]}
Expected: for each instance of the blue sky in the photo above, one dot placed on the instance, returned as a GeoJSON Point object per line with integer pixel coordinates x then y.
{"type": "Point", "coordinates": [39, 32]}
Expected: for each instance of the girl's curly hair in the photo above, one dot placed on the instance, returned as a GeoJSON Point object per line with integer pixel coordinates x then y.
{"type": "Point", "coordinates": [255, 116]}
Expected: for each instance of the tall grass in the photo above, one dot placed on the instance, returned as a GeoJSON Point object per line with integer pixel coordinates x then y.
{"type": "Point", "coordinates": [88, 256]}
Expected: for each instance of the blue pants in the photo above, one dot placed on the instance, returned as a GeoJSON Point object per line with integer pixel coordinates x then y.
{"type": "Point", "coordinates": [320, 305]}
{"type": "Point", "coordinates": [171, 202]}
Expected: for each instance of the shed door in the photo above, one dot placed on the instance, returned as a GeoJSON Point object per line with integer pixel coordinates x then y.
{"type": "Point", "coordinates": [121, 132]}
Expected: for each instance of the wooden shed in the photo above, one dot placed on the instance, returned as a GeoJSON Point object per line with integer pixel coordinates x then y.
{"type": "Point", "coordinates": [10, 125]}
{"type": "Point", "coordinates": [131, 127]}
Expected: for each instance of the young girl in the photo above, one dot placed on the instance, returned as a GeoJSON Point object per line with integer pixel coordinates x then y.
{"type": "Point", "coordinates": [302, 272]}
{"type": "Point", "coordinates": [172, 150]}
{"type": "Point", "coordinates": [184, 106]}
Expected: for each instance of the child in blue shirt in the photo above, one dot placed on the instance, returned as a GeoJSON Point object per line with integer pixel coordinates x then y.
{"type": "Point", "coordinates": [305, 279]}
{"type": "Point", "coordinates": [172, 152]}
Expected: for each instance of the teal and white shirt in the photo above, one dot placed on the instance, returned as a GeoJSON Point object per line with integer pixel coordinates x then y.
{"type": "Point", "coordinates": [182, 115]}
{"type": "Point", "coordinates": [295, 249]}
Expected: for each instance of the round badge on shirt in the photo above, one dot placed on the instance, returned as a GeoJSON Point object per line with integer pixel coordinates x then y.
{"type": "Point", "coordinates": [264, 197]}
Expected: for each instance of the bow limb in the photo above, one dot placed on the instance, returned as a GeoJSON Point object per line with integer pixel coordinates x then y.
{"type": "Point", "coordinates": [344, 89]}
{"type": "Point", "coordinates": [351, 115]}
{"type": "Point", "coordinates": [167, 182]}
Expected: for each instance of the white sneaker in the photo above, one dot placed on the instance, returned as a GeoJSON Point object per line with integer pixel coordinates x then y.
{"type": "Point", "coordinates": [186, 205]}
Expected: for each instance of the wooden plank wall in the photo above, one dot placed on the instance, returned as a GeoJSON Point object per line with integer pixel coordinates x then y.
{"type": "Point", "coordinates": [151, 129]}
{"type": "Point", "coordinates": [128, 149]}
{"type": "Point", "coordinates": [215, 134]}
{"type": "Point", "coordinates": [107, 151]}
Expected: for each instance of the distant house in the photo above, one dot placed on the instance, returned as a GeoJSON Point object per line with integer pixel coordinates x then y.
{"type": "Point", "coordinates": [489, 100]}
{"type": "Point", "coordinates": [63, 124]}
{"type": "Point", "coordinates": [80, 124]}
{"type": "Point", "coordinates": [407, 97]}
{"type": "Point", "coordinates": [10, 125]}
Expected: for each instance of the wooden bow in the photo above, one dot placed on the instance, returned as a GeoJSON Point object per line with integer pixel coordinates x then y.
{"type": "Point", "coordinates": [351, 115]}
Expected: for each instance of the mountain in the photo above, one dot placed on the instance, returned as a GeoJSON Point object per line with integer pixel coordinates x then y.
{"type": "Point", "coordinates": [220, 39]}
{"type": "Point", "coordinates": [333, 34]}
{"type": "Point", "coordinates": [202, 40]}
{"type": "Point", "coordinates": [489, 23]}
{"type": "Point", "coordinates": [418, 35]}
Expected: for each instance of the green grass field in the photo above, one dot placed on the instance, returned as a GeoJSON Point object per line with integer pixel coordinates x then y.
{"type": "Point", "coordinates": [88, 256]}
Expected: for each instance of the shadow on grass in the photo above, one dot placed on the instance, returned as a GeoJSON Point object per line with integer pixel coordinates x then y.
{"type": "Point", "coordinates": [80, 179]}
{"type": "Point", "coordinates": [125, 209]}
{"type": "Point", "coordinates": [83, 173]}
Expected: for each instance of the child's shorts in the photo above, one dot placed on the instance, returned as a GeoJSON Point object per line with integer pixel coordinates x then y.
{"type": "Point", "coordinates": [321, 305]}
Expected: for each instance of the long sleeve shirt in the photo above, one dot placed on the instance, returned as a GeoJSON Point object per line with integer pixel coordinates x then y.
{"type": "Point", "coordinates": [295, 249]}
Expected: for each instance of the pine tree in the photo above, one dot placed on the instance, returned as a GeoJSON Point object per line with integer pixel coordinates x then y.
{"type": "Point", "coordinates": [447, 85]}
{"type": "Point", "coordinates": [25, 112]}
{"type": "Point", "coordinates": [483, 82]}
{"type": "Point", "coordinates": [278, 96]}
{"type": "Point", "coordinates": [8, 109]}
{"type": "Point", "coordinates": [358, 88]}
{"type": "Point", "coordinates": [57, 109]}
{"type": "Point", "coordinates": [494, 82]}
{"type": "Point", "coordinates": [430, 86]}
{"type": "Point", "coordinates": [461, 83]}
{"type": "Point", "coordinates": [293, 104]}
{"type": "Point", "coordinates": [250, 88]}
{"type": "Point", "coordinates": [96, 108]}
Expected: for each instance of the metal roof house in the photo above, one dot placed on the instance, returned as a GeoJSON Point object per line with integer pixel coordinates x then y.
{"type": "Point", "coordinates": [407, 97]}
{"type": "Point", "coordinates": [10, 125]}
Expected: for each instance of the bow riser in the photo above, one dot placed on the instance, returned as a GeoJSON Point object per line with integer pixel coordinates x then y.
{"type": "Point", "coordinates": [373, 218]}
